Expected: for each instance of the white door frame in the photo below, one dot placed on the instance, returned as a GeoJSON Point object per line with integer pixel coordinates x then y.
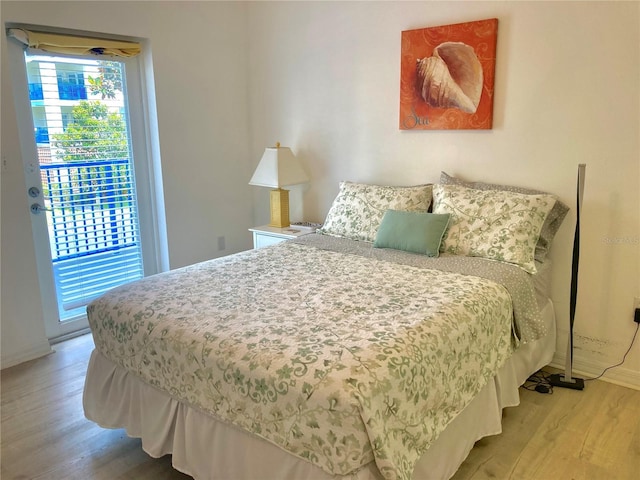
{"type": "Point", "coordinates": [143, 131]}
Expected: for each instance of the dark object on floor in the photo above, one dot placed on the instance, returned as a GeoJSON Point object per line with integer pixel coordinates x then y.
{"type": "Point", "coordinates": [541, 388]}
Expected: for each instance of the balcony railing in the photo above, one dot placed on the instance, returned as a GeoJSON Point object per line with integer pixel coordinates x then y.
{"type": "Point", "coordinates": [92, 228]}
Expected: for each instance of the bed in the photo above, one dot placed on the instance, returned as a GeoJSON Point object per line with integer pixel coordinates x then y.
{"type": "Point", "coordinates": [383, 346]}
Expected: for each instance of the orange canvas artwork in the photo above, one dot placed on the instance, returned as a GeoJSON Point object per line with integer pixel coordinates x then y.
{"type": "Point", "coordinates": [447, 75]}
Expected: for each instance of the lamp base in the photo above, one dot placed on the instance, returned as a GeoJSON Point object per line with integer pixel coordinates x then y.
{"type": "Point", "coordinates": [279, 208]}
{"type": "Point", "coordinates": [559, 380]}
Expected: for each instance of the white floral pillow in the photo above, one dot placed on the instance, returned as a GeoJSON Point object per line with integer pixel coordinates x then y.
{"type": "Point", "coordinates": [357, 211]}
{"type": "Point", "coordinates": [551, 224]}
{"type": "Point", "coordinates": [494, 224]}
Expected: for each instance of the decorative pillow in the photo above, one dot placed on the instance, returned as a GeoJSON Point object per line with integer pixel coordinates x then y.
{"type": "Point", "coordinates": [416, 232]}
{"type": "Point", "coordinates": [551, 224]}
{"type": "Point", "coordinates": [357, 211]}
{"type": "Point", "coordinates": [495, 224]}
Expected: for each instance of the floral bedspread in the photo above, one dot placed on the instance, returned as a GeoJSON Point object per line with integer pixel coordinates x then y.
{"type": "Point", "coordinates": [338, 358]}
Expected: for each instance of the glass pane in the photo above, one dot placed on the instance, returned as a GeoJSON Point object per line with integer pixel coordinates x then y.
{"type": "Point", "coordinates": [82, 137]}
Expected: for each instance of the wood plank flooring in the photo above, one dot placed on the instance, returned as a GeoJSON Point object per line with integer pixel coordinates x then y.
{"type": "Point", "coordinates": [588, 435]}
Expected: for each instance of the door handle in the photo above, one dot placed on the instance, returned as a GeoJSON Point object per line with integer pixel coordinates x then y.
{"type": "Point", "coordinates": [36, 208]}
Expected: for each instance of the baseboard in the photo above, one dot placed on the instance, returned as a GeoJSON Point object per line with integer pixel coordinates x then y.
{"type": "Point", "coordinates": [622, 376]}
{"type": "Point", "coordinates": [69, 336]}
{"type": "Point", "coordinates": [40, 350]}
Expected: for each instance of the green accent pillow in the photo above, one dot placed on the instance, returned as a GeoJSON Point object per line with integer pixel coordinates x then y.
{"type": "Point", "coordinates": [417, 232]}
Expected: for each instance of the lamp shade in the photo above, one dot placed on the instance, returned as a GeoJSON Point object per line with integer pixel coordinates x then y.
{"type": "Point", "coordinates": [278, 168]}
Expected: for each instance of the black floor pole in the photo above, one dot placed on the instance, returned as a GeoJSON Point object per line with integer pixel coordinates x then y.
{"type": "Point", "coordinates": [567, 380]}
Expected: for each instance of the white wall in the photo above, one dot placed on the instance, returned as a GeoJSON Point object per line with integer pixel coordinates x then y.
{"type": "Point", "coordinates": [324, 79]}
{"type": "Point", "coordinates": [199, 55]}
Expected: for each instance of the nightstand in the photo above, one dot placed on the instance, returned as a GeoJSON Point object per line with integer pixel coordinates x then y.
{"type": "Point", "coordinates": [266, 235]}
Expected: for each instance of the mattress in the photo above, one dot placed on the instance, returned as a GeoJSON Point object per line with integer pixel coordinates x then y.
{"type": "Point", "coordinates": [369, 359]}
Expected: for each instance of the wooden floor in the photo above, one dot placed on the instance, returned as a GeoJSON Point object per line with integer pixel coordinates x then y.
{"type": "Point", "coordinates": [593, 434]}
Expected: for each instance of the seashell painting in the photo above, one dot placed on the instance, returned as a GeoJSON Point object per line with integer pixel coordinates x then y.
{"type": "Point", "coordinates": [451, 78]}
{"type": "Point", "coordinates": [447, 76]}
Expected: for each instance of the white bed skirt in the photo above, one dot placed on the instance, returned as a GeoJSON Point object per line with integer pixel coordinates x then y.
{"type": "Point", "coordinates": [206, 448]}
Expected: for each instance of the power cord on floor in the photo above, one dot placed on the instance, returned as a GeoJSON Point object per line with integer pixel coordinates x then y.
{"type": "Point", "coordinates": [623, 358]}
{"type": "Point", "coordinates": [539, 381]}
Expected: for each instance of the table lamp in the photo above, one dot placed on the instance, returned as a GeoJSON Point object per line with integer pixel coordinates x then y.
{"type": "Point", "coordinates": [278, 168]}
